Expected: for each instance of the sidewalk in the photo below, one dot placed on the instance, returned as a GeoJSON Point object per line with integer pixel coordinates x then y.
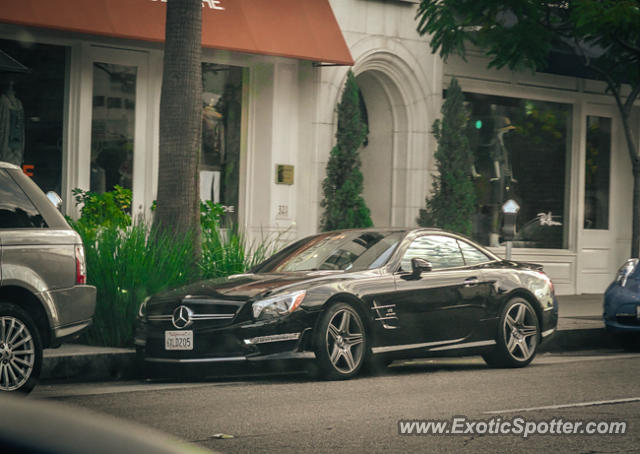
{"type": "Point", "coordinates": [87, 363]}
{"type": "Point", "coordinates": [580, 327]}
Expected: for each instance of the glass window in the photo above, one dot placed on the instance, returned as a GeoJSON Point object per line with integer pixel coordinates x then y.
{"type": "Point", "coordinates": [112, 126]}
{"type": "Point", "coordinates": [441, 251]}
{"type": "Point", "coordinates": [521, 150]}
{"type": "Point", "coordinates": [16, 210]}
{"type": "Point", "coordinates": [349, 251]}
{"type": "Point", "coordinates": [472, 255]}
{"type": "Point", "coordinates": [596, 173]}
{"type": "Point", "coordinates": [221, 135]}
{"type": "Point", "coordinates": [32, 111]}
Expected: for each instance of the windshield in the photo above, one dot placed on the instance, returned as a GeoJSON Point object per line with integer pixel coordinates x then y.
{"type": "Point", "coordinates": [347, 251]}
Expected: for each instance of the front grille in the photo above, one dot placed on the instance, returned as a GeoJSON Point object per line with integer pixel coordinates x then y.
{"type": "Point", "coordinates": [205, 314]}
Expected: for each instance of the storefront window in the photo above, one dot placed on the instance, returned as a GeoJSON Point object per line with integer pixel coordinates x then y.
{"type": "Point", "coordinates": [596, 173]}
{"type": "Point", "coordinates": [521, 150]}
{"type": "Point", "coordinates": [112, 126]}
{"type": "Point", "coordinates": [221, 133]}
{"type": "Point", "coordinates": [32, 111]}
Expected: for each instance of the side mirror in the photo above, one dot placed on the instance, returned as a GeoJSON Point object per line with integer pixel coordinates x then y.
{"type": "Point", "coordinates": [55, 199]}
{"type": "Point", "coordinates": [418, 266]}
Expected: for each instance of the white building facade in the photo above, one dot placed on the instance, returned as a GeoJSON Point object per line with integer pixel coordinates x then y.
{"type": "Point", "coordinates": [91, 110]}
{"type": "Point", "coordinates": [567, 162]}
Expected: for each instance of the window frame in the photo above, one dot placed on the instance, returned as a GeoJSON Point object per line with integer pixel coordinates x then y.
{"type": "Point", "coordinates": [18, 192]}
{"type": "Point", "coordinates": [399, 268]}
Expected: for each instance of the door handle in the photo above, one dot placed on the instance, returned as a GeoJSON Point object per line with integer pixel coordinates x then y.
{"type": "Point", "coordinates": [470, 282]}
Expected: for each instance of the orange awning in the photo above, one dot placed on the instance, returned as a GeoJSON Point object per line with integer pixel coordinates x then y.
{"type": "Point", "coordinates": [303, 29]}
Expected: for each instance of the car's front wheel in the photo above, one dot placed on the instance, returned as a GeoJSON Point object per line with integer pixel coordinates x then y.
{"type": "Point", "coordinates": [20, 350]}
{"type": "Point", "coordinates": [341, 342]}
{"type": "Point", "coordinates": [517, 337]}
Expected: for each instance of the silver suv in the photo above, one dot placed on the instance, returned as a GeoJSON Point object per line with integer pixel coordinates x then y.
{"type": "Point", "coordinates": [44, 298]}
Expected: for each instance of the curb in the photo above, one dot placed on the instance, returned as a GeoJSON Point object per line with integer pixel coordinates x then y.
{"type": "Point", "coordinates": [94, 366]}
{"type": "Point", "coordinates": [579, 339]}
{"type": "Point", "coordinates": [104, 364]}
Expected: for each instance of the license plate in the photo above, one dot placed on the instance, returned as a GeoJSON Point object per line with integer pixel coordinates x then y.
{"type": "Point", "coordinates": [638, 311]}
{"type": "Point", "coordinates": [178, 340]}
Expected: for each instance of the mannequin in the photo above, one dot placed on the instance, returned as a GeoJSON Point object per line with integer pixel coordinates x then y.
{"type": "Point", "coordinates": [11, 126]}
{"type": "Point", "coordinates": [503, 180]}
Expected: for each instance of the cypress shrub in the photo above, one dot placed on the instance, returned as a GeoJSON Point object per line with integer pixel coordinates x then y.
{"type": "Point", "coordinates": [453, 199]}
{"type": "Point", "coordinates": [344, 206]}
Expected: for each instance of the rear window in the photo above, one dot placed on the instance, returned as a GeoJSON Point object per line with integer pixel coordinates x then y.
{"type": "Point", "coordinates": [16, 210]}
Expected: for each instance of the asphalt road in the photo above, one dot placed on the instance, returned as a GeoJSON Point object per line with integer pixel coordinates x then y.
{"type": "Point", "coordinates": [295, 414]}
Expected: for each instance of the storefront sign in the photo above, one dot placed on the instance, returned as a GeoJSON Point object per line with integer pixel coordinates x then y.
{"type": "Point", "coordinates": [284, 174]}
{"type": "Point", "coordinates": [212, 4]}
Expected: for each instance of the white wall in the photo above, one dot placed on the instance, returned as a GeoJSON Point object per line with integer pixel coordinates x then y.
{"type": "Point", "coordinates": [377, 155]}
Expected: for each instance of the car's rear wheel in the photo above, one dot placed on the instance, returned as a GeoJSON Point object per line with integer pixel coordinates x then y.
{"type": "Point", "coordinates": [518, 335]}
{"type": "Point", "coordinates": [20, 350]}
{"type": "Point", "coordinates": [341, 342]}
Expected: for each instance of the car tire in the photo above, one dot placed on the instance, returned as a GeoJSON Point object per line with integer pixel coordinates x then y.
{"type": "Point", "coordinates": [341, 342]}
{"type": "Point", "coordinates": [518, 336]}
{"type": "Point", "coordinates": [20, 350]}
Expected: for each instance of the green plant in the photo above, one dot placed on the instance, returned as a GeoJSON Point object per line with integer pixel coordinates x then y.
{"type": "Point", "coordinates": [226, 251]}
{"type": "Point", "coordinates": [210, 215]}
{"type": "Point", "coordinates": [344, 206]}
{"type": "Point", "coordinates": [127, 265]}
{"type": "Point", "coordinates": [128, 262]}
{"type": "Point", "coordinates": [108, 209]}
{"type": "Point", "coordinates": [453, 201]}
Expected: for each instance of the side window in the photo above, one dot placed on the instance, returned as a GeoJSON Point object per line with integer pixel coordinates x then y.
{"type": "Point", "coordinates": [16, 210]}
{"type": "Point", "coordinates": [441, 251]}
{"type": "Point", "coordinates": [472, 255]}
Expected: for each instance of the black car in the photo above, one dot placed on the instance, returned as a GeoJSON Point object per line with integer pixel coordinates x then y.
{"type": "Point", "coordinates": [347, 298]}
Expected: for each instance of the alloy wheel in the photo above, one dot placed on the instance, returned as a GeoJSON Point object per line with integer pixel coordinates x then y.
{"type": "Point", "coordinates": [345, 341]}
{"type": "Point", "coordinates": [17, 353]}
{"type": "Point", "coordinates": [520, 331]}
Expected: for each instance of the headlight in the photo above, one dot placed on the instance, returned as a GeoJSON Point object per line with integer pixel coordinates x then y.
{"type": "Point", "coordinates": [142, 310]}
{"type": "Point", "coordinates": [625, 270]}
{"type": "Point", "coordinates": [278, 305]}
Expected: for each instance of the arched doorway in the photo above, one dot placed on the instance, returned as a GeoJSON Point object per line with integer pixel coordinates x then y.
{"type": "Point", "coordinates": [377, 152]}
{"type": "Point", "coordinates": [387, 143]}
{"type": "Point", "coordinates": [400, 102]}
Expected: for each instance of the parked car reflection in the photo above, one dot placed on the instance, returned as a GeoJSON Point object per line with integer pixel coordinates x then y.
{"type": "Point", "coordinates": [543, 231]}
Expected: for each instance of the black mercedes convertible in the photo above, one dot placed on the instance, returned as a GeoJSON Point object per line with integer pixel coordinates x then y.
{"type": "Point", "coordinates": [357, 297]}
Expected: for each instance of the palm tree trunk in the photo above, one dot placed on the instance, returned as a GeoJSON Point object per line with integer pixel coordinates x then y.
{"type": "Point", "coordinates": [178, 200]}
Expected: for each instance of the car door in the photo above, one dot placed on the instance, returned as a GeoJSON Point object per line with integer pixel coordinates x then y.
{"type": "Point", "coordinates": [441, 305]}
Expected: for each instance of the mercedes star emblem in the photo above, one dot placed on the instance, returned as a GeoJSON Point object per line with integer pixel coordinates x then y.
{"type": "Point", "coordinates": [182, 317]}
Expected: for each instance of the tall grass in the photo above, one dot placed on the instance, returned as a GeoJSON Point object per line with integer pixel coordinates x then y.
{"type": "Point", "coordinates": [128, 262]}
{"type": "Point", "coordinates": [227, 251]}
{"type": "Point", "coordinates": [127, 265]}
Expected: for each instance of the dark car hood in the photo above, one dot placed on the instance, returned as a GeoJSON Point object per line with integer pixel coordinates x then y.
{"type": "Point", "coordinates": [242, 287]}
